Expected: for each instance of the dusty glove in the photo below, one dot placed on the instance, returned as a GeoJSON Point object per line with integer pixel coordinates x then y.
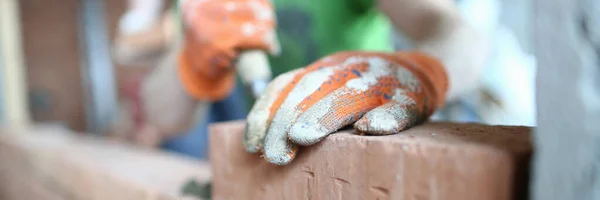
{"type": "Point", "coordinates": [380, 93]}
{"type": "Point", "coordinates": [215, 32]}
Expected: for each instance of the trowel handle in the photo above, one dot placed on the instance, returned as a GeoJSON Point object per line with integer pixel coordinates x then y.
{"type": "Point", "coordinates": [254, 70]}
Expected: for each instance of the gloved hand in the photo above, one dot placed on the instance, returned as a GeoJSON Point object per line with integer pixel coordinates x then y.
{"type": "Point", "coordinates": [380, 93]}
{"type": "Point", "coordinates": [216, 33]}
{"type": "Point", "coordinates": [192, 73]}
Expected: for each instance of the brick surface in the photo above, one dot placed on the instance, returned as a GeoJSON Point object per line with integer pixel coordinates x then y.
{"type": "Point", "coordinates": [51, 163]}
{"type": "Point", "coordinates": [431, 161]}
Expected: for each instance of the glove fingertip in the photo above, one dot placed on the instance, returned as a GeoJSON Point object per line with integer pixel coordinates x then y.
{"type": "Point", "coordinates": [307, 133]}
{"type": "Point", "coordinates": [251, 148]}
{"type": "Point", "coordinates": [383, 122]}
{"type": "Point", "coordinates": [251, 144]}
{"type": "Point", "coordinates": [365, 125]}
{"type": "Point", "coordinates": [281, 156]}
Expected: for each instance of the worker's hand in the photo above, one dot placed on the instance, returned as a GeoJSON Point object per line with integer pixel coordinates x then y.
{"type": "Point", "coordinates": [379, 93]}
{"type": "Point", "coordinates": [216, 33]}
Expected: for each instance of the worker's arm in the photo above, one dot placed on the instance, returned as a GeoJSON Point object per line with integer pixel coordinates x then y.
{"type": "Point", "coordinates": [436, 27]}
{"type": "Point", "coordinates": [221, 38]}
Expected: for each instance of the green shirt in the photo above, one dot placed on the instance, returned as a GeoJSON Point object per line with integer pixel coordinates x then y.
{"type": "Point", "coordinates": [310, 29]}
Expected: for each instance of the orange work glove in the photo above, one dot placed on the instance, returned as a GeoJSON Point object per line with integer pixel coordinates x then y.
{"type": "Point", "coordinates": [216, 30]}
{"type": "Point", "coordinates": [380, 93]}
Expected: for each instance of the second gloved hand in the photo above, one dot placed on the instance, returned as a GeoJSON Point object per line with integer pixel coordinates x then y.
{"type": "Point", "coordinates": [217, 34]}
{"type": "Point", "coordinates": [380, 93]}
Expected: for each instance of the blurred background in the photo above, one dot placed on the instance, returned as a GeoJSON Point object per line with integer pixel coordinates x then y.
{"type": "Point", "coordinates": [58, 66]}
{"type": "Point", "coordinates": [70, 78]}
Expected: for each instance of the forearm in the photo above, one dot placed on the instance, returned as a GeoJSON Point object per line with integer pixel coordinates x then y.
{"type": "Point", "coordinates": [435, 27]}
{"type": "Point", "coordinates": [421, 19]}
{"type": "Point", "coordinates": [166, 103]}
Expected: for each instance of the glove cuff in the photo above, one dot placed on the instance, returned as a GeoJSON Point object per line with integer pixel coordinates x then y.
{"type": "Point", "coordinates": [433, 76]}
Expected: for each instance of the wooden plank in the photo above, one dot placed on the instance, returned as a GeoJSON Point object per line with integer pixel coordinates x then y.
{"type": "Point", "coordinates": [53, 163]}
{"type": "Point", "coordinates": [13, 78]}
{"type": "Point", "coordinates": [567, 47]}
{"type": "Point", "coordinates": [431, 161]}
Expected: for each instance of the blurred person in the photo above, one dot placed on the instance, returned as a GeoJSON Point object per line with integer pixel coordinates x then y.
{"type": "Point", "coordinates": [149, 36]}
{"type": "Point", "coordinates": [452, 51]}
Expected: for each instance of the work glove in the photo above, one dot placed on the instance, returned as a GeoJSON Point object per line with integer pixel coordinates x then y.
{"type": "Point", "coordinates": [217, 33]}
{"type": "Point", "coordinates": [380, 93]}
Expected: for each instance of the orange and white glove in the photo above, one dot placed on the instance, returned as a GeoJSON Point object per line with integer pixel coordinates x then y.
{"type": "Point", "coordinates": [216, 33]}
{"type": "Point", "coordinates": [380, 93]}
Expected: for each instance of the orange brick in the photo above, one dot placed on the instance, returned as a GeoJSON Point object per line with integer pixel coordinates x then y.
{"type": "Point", "coordinates": [431, 161]}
